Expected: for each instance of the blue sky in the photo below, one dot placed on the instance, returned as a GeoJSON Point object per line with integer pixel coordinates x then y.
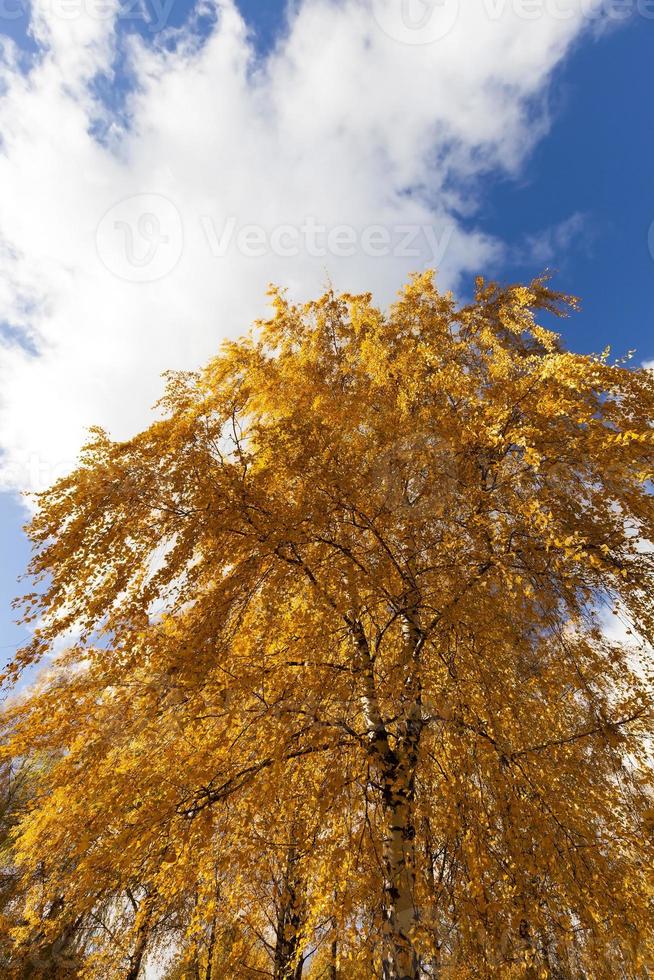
{"type": "Point", "coordinates": [573, 191]}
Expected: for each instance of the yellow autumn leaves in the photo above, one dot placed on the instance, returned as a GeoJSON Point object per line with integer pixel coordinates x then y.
{"type": "Point", "coordinates": [339, 702]}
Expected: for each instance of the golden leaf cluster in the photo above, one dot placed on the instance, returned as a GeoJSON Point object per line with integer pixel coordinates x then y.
{"type": "Point", "coordinates": [337, 698]}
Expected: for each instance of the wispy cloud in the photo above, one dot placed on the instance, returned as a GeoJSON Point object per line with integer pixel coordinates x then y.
{"type": "Point", "coordinates": [552, 244]}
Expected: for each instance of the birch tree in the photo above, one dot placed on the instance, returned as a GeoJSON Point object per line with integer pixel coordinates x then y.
{"type": "Point", "coordinates": [358, 568]}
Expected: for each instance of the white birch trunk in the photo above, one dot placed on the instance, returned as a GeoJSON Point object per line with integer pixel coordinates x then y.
{"type": "Point", "coordinates": [395, 773]}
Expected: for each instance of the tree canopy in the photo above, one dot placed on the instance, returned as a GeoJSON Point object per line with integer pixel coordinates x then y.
{"type": "Point", "coordinates": [337, 697]}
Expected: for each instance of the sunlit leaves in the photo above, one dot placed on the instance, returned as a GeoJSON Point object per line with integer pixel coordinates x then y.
{"type": "Point", "coordinates": [340, 663]}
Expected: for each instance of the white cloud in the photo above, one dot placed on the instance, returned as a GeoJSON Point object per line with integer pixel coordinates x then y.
{"type": "Point", "coordinates": [342, 125]}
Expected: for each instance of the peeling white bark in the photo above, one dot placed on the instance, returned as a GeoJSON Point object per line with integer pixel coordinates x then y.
{"type": "Point", "coordinates": [395, 769]}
